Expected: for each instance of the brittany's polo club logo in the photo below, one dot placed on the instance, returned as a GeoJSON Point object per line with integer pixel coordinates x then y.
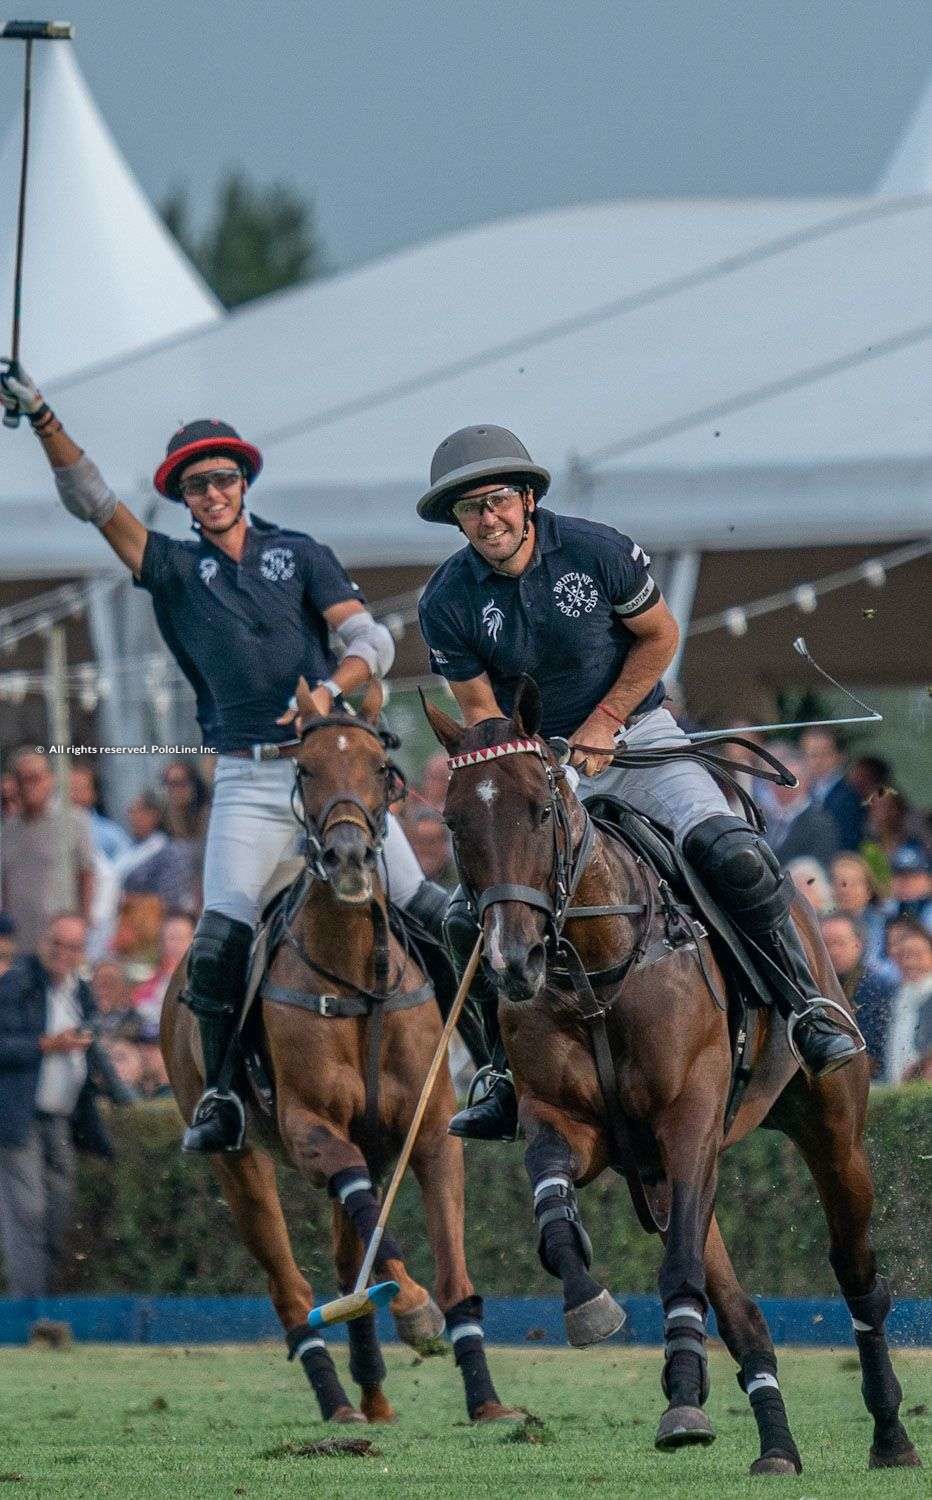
{"type": "Point", "coordinates": [576, 594]}
{"type": "Point", "coordinates": [207, 567]}
{"type": "Point", "coordinates": [492, 619]}
{"type": "Point", "coordinates": [277, 564]}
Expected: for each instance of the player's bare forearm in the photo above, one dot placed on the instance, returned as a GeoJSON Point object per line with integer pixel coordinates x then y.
{"type": "Point", "coordinates": [60, 449]}
{"type": "Point", "coordinates": [646, 663]}
{"type": "Point", "coordinates": [476, 700]}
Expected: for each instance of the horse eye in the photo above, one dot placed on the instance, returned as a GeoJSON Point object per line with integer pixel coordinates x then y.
{"type": "Point", "coordinates": [546, 813]}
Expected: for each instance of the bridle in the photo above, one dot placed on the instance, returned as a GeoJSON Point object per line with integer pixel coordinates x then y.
{"type": "Point", "coordinates": [318, 826]}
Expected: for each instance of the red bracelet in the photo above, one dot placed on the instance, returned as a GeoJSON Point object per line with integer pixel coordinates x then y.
{"type": "Point", "coordinates": [606, 710]}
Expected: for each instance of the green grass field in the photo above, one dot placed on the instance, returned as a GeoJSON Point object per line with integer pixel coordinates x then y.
{"type": "Point", "coordinates": [221, 1421]}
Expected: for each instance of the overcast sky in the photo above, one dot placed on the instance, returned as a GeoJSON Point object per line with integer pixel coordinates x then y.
{"type": "Point", "coordinates": [404, 121]}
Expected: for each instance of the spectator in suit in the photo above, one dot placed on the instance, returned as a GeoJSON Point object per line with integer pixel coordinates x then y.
{"type": "Point", "coordinates": [829, 789]}
{"type": "Point", "coordinates": [35, 882]}
{"type": "Point", "coordinates": [796, 826]}
{"type": "Point", "coordinates": [47, 1057]}
{"type": "Point", "coordinates": [868, 987]}
{"type": "Point", "coordinates": [908, 1025]}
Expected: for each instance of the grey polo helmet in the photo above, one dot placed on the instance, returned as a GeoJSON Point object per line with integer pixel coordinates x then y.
{"type": "Point", "coordinates": [475, 456]}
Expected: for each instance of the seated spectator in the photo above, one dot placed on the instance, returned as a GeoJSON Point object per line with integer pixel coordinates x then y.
{"type": "Point", "coordinates": [154, 865]}
{"type": "Point", "coordinates": [7, 943]}
{"type": "Point", "coordinates": [112, 996]}
{"type": "Point", "coordinates": [430, 840]}
{"type": "Point", "coordinates": [910, 886]}
{"type": "Point", "coordinates": [48, 1059]}
{"type": "Point", "coordinates": [795, 825]}
{"type": "Point", "coordinates": [811, 880]}
{"type": "Point", "coordinates": [36, 882]}
{"type": "Point", "coordinates": [868, 988]}
{"type": "Point", "coordinates": [174, 942]}
{"type": "Point", "coordinates": [908, 1024]}
{"type": "Point", "coordinates": [826, 759]}
{"type": "Point", "coordinates": [109, 838]}
{"type": "Point", "coordinates": [856, 893]}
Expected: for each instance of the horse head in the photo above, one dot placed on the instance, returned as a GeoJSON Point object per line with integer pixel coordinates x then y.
{"type": "Point", "coordinates": [344, 783]}
{"type": "Point", "coordinates": [511, 817]}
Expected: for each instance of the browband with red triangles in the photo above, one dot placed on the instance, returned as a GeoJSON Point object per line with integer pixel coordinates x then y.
{"type": "Point", "coordinates": [479, 757]}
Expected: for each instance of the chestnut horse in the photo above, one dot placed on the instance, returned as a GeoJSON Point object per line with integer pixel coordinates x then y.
{"type": "Point", "coordinates": [316, 1048]}
{"type": "Point", "coordinates": [526, 849]}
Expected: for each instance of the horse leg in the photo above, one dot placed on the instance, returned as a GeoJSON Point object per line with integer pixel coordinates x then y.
{"type": "Point", "coordinates": [367, 1366]}
{"type": "Point", "coordinates": [328, 1158]}
{"type": "Point", "coordinates": [559, 1152]}
{"type": "Point", "coordinates": [438, 1165]}
{"type": "Point", "coordinates": [742, 1326]}
{"type": "Point", "coordinates": [249, 1186]}
{"type": "Point", "coordinates": [830, 1140]}
{"type": "Point", "coordinates": [687, 1132]}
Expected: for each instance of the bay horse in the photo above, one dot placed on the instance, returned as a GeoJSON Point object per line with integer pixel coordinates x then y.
{"type": "Point", "coordinates": [341, 1094]}
{"type": "Point", "coordinates": [547, 884]}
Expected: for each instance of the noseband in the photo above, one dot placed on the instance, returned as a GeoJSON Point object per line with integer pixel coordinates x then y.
{"type": "Point", "coordinates": [373, 825]}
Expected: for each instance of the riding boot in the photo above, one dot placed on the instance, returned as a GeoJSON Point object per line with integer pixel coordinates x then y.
{"type": "Point", "coordinates": [429, 906]}
{"type": "Point", "coordinates": [743, 874]}
{"type": "Point", "coordinates": [217, 973]}
{"type": "Point", "coordinates": [495, 1117]}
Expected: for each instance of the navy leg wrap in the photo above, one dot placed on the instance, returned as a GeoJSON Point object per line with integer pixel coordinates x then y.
{"type": "Point", "coordinates": [685, 1378]}
{"type": "Point", "coordinates": [319, 1368]}
{"type": "Point", "coordinates": [880, 1388]}
{"type": "Point", "coordinates": [353, 1190]}
{"type": "Point", "coordinates": [464, 1329]}
{"type": "Point", "coordinates": [563, 1245]}
{"type": "Point", "coordinates": [758, 1379]}
{"type": "Point", "coordinates": [367, 1366]}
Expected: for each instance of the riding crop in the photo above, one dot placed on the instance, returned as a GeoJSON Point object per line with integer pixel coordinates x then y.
{"type": "Point", "coordinates": [363, 1299]}
{"type": "Point", "coordinates": [28, 32]}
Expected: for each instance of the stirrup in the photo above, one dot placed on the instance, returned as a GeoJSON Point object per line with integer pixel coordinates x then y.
{"type": "Point", "coordinates": [205, 1109]}
{"type": "Point", "coordinates": [822, 1003]}
{"type": "Point", "coordinates": [489, 1076]}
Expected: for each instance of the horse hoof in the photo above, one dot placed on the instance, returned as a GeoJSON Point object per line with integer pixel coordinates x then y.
{"type": "Point", "coordinates": [378, 1408]}
{"type": "Point", "coordinates": [680, 1426]}
{"type": "Point", "coordinates": [420, 1326]}
{"type": "Point", "coordinates": [905, 1458]}
{"type": "Point", "coordinates": [344, 1414]}
{"type": "Point", "coordinates": [773, 1464]}
{"type": "Point", "coordinates": [493, 1411]}
{"type": "Point", "coordinates": [593, 1321]}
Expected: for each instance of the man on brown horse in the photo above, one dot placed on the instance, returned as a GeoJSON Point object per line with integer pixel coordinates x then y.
{"type": "Point", "coordinates": [572, 603]}
{"type": "Point", "coordinates": [245, 609]}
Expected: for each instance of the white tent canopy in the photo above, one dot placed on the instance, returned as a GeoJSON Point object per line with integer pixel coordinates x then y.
{"type": "Point", "coordinates": [909, 169]}
{"type": "Point", "coordinates": [102, 274]}
{"type": "Point", "coordinates": [708, 375]}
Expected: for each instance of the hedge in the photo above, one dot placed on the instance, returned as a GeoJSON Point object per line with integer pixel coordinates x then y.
{"type": "Point", "coordinates": [155, 1222]}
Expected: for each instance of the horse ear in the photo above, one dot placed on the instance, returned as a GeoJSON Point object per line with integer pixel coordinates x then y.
{"type": "Point", "coordinates": [303, 698]}
{"type": "Point", "coordinates": [448, 732]}
{"type": "Point", "coordinates": [527, 707]}
{"type": "Point", "coordinates": [373, 701]}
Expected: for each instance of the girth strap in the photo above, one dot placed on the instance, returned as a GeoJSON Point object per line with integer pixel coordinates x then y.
{"type": "Point", "coordinates": [344, 1007]}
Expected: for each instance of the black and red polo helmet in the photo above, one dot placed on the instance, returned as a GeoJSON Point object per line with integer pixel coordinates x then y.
{"type": "Point", "coordinates": [197, 439]}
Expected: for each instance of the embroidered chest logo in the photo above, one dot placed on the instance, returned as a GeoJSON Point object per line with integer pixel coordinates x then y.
{"type": "Point", "coordinates": [576, 594]}
{"type": "Point", "coordinates": [277, 564]}
{"type": "Point", "coordinates": [492, 619]}
{"type": "Point", "coordinates": [207, 567]}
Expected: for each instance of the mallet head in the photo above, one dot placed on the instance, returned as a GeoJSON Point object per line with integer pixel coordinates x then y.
{"type": "Point", "coordinates": [353, 1305]}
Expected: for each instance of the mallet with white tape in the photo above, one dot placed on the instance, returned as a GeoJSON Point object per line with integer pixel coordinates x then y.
{"type": "Point", "coordinates": [364, 1299]}
{"type": "Point", "coordinates": [28, 32]}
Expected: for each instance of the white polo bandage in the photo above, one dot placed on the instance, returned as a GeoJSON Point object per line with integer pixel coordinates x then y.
{"type": "Point", "coordinates": [366, 638]}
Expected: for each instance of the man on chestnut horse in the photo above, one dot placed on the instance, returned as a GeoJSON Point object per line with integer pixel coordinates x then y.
{"type": "Point", "coordinates": [572, 603]}
{"type": "Point", "coordinates": [245, 608]}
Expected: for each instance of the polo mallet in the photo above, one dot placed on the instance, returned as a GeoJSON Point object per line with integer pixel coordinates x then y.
{"type": "Point", "coordinates": [28, 32]}
{"type": "Point", "coordinates": [363, 1299]}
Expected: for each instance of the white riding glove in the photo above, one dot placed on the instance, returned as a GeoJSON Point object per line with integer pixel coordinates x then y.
{"type": "Point", "coordinates": [18, 394]}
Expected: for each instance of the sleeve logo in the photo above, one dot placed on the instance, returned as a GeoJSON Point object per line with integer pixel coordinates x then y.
{"type": "Point", "coordinates": [576, 594]}
{"type": "Point", "coordinates": [438, 658]}
{"type": "Point", "coordinates": [277, 564]}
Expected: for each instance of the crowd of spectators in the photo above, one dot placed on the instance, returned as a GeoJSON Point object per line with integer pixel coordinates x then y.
{"type": "Point", "coordinates": [97, 913]}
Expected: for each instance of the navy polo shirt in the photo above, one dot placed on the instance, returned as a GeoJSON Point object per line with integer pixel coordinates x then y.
{"type": "Point", "coordinates": [243, 633]}
{"type": "Point", "coordinates": [562, 620]}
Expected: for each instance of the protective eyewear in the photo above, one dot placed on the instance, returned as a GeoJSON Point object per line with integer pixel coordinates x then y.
{"type": "Point", "coordinates": [198, 485]}
{"type": "Point", "coordinates": [494, 502]}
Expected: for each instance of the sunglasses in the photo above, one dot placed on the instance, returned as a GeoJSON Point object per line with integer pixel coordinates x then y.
{"type": "Point", "coordinates": [198, 484]}
{"type": "Point", "coordinates": [494, 502]}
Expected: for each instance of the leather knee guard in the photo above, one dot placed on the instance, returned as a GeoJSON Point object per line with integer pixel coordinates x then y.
{"type": "Point", "coordinates": [742, 873]}
{"type": "Point", "coordinates": [218, 965]}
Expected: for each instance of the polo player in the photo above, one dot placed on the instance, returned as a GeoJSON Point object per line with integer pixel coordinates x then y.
{"type": "Point", "coordinates": [245, 608]}
{"type": "Point", "coordinates": [572, 603]}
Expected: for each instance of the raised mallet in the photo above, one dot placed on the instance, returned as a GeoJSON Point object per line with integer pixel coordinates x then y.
{"type": "Point", "coordinates": [364, 1299]}
{"type": "Point", "coordinates": [28, 32]}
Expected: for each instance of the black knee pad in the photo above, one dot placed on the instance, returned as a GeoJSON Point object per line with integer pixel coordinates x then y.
{"type": "Point", "coordinates": [741, 871]}
{"type": "Point", "coordinates": [218, 964]}
{"type": "Point", "coordinates": [460, 928]}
